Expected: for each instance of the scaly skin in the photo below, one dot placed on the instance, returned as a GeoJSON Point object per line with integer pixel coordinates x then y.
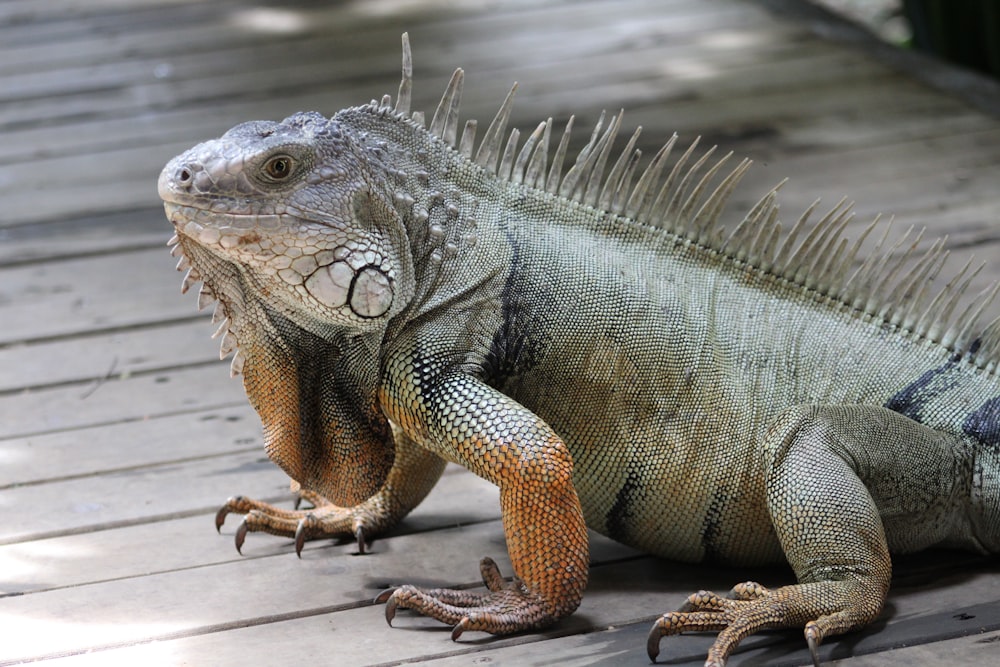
{"type": "Point", "coordinates": [596, 347]}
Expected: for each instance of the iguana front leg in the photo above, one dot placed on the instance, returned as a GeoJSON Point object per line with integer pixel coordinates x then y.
{"type": "Point", "coordinates": [492, 435]}
{"type": "Point", "coordinates": [317, 404]}
{"type": "Point", "coordinates": [414, 472]}
{"type": "Point", "coordinates": [843, 484]}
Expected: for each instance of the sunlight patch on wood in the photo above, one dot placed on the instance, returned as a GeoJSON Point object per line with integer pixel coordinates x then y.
{"type": "Point", "coordinates": [271, 21]}
{"type": "Point", "coordinates": [32, 636]}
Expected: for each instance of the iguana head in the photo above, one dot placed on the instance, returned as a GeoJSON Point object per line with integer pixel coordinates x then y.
{"type": "Point", "coordinates": [296, 204]}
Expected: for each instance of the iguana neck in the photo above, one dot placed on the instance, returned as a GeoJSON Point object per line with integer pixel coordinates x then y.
{"type": "Point", "coordinates": [442, 200]}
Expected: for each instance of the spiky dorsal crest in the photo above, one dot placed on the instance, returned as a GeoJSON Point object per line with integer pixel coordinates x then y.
{"type": "Point", "coordinates": [893, 283]}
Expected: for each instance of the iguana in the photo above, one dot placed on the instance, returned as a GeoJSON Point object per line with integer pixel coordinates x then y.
{"type": "Point", "coordinates": [590, 341]}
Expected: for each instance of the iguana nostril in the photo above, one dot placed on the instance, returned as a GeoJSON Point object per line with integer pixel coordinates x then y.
{"type": "Point", "coordinates": [184, 176]}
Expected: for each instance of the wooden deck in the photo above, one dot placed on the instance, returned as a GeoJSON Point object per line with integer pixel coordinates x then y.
{"type": "Point", "coordinates": [121, 433]}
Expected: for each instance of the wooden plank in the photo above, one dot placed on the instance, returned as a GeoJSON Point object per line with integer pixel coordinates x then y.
{"type": "Point", "coordinates": [978, 649]}
{"type": "Point", "coordinates": [129, 445]}
{"type": "Point", "coordinates": [615, 646]}
{"type": "Point", "coordinates": [135, 190]}
{"type": "Point", "coordinates": [232, 81]}
{"type": "Point", "coordinates": [190, 122]}
{"type": "Point", "coordinates": [135, 187]}
{"type": "Point", "coordinates": [349, 87]}
{"type": "Point", "coordinates": [158, 545]}
{"type": "Point", "coordinates": [234, 44]}
{"type": "Point", "coordinates": [82, 186]}
{"type": "Point", "coordinates": [191, 601]}
{"type": "Point", "coordinates": [48, 300]}
{"type": "Point", "coordinates": [94, 35]}
{"type": "Point", "coordinates": [934, 194]}
{"type": "Point", "coordinates": [136, 495]}
{"type": "Point", "coordinates": [135, 398]}
{"type": "Point", "coordinates": [183, 33]}
{"type": "Point", "coordinates": [75, 237]}
{"type": "Point", "coordinates": [24, 204]}
{"type": "Point", "coordinates": [135, 168]}
{"type": "Point", "coordinates": [626, 645]}
{"type": "Point", "coordinates": [955, 158]}
{"type": "Point", "coordinates": [609, 625]}
{"type": "Point", "coordinates": [104, 357]}
{"type": "Point", "coordinates": [15, 11]}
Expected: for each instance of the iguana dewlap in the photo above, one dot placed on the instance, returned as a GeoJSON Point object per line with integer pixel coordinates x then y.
{"type": "Point", "coordinates": [589, 340]}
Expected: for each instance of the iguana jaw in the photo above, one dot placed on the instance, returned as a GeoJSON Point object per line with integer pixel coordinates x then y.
{"type": "Point", "coordinates": [333, 275]}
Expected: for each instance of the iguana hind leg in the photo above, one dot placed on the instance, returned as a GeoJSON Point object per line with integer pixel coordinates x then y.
{"type": "Point", "coordinates": [413, 474]}
{"type": "Point", "coordinates": [844, 483]}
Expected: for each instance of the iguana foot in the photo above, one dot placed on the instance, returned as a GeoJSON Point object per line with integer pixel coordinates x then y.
{"type": "Point", "coordinates": [751, 607]}
{"type": "Point", "coordinates": [324, 519]}
{"type": "Point", "coordinates": [508, 607]}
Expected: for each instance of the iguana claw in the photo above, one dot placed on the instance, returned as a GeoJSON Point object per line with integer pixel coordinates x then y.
{"type": "Point", "coordinates": [814, 635]}
{"type": "Point", "coordinates": [390, 604]}
{"type": "Point", "coordinates": [300, 536]}
{"type": "Point", "coordinates": [734, 617]}
{"type": "Point", "coordinates": [220, 518]}
{"type": "Point", "coordinates": [241, 535]}
{"type": "Point", "coordinates": [229, 506]}
{"type": "Point", "coordinates": [459, 628]}
{"type": "Point", "coordinates": [750, 607]}
{"type": "Point", "coordinates": [653, 643]}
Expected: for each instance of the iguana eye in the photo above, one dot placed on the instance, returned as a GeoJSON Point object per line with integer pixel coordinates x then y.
{"type": "Point", "coordinates": [278, 168]}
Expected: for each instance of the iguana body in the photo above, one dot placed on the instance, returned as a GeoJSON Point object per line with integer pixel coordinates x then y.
{"type": "Point", "coordinates": [589, 342]}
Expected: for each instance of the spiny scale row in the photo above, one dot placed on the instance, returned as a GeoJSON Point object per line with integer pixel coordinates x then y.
{"type": "Point", "coordinates": [681, 203]}
{"type": "Point", "coordinates": [206, 298]}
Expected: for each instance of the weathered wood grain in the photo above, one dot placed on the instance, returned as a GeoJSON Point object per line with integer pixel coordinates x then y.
{"type": "Point", "coordinates": [153, 440]}
{"type": "Point", "coordinates": [104, 357]}
{"type": "Point", "coordinates": [78, 550]}
{"type": "Point", "coordinates": [47, 300]}
{"type": "Point", "coordinates": [120, 434]}
{"type": "Point", "coordinates": [609, 628]}
{"type": "Point", "coordinates": [140, 397]}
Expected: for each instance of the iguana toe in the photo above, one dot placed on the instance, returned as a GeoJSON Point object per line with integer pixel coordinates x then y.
{"type": "Point", "coordinates": [498, 613]}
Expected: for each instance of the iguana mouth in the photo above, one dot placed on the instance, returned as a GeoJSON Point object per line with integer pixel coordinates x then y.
{"type": "Point", "coordinates": [209, 226]}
